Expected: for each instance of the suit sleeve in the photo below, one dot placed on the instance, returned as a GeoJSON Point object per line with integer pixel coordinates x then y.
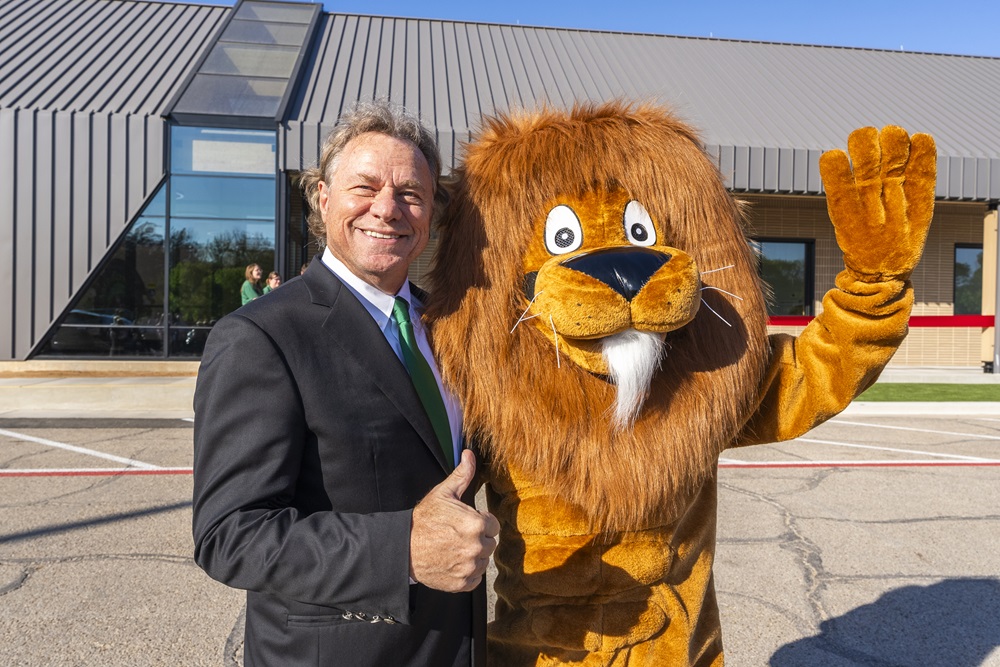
{"type": "Point", "coordinates": [840, 353]}
{"type": "Point", "coordinates": [248, 532]}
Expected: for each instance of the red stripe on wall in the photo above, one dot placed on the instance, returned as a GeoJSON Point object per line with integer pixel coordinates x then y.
{"type": "Point", "coordinates": [972, 321]}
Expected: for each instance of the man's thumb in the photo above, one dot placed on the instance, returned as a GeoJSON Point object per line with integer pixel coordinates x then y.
{"type": "Point", "coordinates": [463, 474]}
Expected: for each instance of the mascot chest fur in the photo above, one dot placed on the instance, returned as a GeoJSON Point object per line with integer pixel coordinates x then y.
{"type": "Point", "coordinates": [596, 307]}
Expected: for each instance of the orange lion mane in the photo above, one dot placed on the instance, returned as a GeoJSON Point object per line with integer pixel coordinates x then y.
{"type": "Point", "coordinates": [548, 418]}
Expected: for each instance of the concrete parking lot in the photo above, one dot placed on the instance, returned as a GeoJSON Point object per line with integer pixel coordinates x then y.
{"type": "Point", "coordinates": [871, 541]}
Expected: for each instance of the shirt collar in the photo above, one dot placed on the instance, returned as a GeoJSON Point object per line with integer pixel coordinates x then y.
{"type": "Point", "coordinates": [377, 302]}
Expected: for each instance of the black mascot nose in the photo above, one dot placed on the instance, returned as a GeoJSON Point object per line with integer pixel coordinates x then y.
{"type": "Point", "coordinates": [625, 270]}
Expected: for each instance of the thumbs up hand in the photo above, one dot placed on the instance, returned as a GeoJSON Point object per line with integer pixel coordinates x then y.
{"type": "Point", "coordinates": [451, 542]}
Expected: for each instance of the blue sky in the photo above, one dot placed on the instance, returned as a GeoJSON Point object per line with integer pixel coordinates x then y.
{"type": "Point", "coordinates": [968, 27]}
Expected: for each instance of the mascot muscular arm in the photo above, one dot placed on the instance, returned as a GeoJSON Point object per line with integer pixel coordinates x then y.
{"type": "Point", "coordinates": [597, 308]}
{"type": "Point", "coordinates": [881, 211]}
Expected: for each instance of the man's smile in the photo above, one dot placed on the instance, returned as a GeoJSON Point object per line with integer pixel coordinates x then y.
{"type": "Point", "coordinates": [380, 235]}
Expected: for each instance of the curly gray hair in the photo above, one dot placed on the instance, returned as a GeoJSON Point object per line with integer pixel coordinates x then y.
{"type": "Point", "coordinates": [381, 117]}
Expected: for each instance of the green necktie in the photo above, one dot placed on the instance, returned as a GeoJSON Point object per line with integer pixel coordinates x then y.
{"type": "Point", "coordinates": [423, 379]}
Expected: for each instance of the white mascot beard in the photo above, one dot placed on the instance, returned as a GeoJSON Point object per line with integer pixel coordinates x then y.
{"type": "Point", "coordinates": [632, 358]}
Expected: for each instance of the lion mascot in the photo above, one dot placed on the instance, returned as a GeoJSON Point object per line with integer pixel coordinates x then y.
{"type": "Point", "coordinates": [597, 308]}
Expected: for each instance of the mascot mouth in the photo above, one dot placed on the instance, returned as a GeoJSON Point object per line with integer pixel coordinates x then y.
{"type": "Point", "coordinates": [577, 301]}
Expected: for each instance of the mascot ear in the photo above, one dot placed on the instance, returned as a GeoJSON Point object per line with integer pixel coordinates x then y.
{"type": "Point", "coordinates": [881, 201]}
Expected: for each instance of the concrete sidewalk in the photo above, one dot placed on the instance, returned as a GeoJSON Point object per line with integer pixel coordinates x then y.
{"type": "Point", "coordinates": [164, 390]}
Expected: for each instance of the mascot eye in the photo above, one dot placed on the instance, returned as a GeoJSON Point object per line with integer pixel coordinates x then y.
{"type": "Point", "coordinates": [639, 229]}
{"type": "Point", "coordinates": [563, 232]}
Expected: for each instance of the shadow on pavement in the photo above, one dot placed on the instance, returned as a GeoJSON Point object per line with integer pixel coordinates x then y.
{"type": "Point", "coordinates": [955, 622]}
{"type": "Point", "coordinates": [77, 525]}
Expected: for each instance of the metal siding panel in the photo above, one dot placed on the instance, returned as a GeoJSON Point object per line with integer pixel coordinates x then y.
{"type": "Point", "coordinates": [786, 170]}
{"type": "Point", "coordinates": [814, 182]}
{"type": "Point", "coordinates": [22, 282]}
{"type": "Point", "coordinates": [312, 140]}
{"type": "Point", "coordinates": [136, 163]}
{"type": "Point", "coordinates": [955, 177]}
{"type": "Point", "coordinates": [969, 178]}
{"type": "Point", "coordinates": [741, 168]}
{"type": "Point", "coordinates": [943, 177]}
{"type": "Point", "coordinates": [99, 187]}
{"type": "Point", "coordinates": [120, 176]}
{"type": "Point", "coordinates": [62, 214]}
{"type": "Point", "coordinates": [156, 159]}
{"type": "Point", "coordinates": [756, 168]}
{"type": "Point", "coordinates": [727, 165]}
{"type": "Point", "coordinates": [770, 169]}
{"type": "Point", "coordinates": [413, 70]}
{"type": "Point", "coordinates": [8, 180]}
{"type": "Point", "coordinates": [982, 178]}
{"type": "Point", "coordinates": [42, 259]}
{"type": "Point", "coordinates": [994, 192]}
{"type": "Point", "coordinates": [800, 174]}
{"type": "Point", "coordinates": [82, 213]}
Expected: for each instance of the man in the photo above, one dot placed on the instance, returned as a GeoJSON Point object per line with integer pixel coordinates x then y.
{"type": "Point", "coordinates": [322, 485]}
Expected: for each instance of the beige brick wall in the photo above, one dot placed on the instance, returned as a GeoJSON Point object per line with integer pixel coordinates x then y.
{"type": "Point", "coordinates": [954, 222]}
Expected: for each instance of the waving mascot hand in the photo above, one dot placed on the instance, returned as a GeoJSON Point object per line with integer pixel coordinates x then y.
{"type": "Point", "coordinates": [597, 309]}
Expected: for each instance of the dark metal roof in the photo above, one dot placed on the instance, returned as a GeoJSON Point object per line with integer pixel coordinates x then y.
{"type": "Point", "coordinates": [765, 110]}
{"type": "Point", "coordinates": [95, 55]}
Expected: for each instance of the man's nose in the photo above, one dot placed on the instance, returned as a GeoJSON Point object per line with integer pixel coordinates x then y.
{"type": "Point", "coordinates": [385, 206]}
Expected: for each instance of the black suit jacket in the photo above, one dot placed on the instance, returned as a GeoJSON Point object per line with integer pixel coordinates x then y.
{"type": "Point", "coordinates": [311, 450]}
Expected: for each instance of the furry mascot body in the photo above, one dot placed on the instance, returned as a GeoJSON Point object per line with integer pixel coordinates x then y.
{"type": "Point", "coordinates": [596, 307]}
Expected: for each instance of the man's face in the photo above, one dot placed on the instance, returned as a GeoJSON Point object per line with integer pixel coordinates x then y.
{"type": "Point", "coordinates": [377, 208]}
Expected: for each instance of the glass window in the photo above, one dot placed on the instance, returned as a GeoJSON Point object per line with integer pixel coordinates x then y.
{"type": "Point", "coordinates": [968, 279]}
{"type": "Point", "coordinates": [264, 11]}
{"type": "Point", "coordinates": [180, 265]}
{"type": "Point", "coordinates": [121, 311]}
{"type": "Point", "coordinates": [232, 95]}
{"type": "Point", "coordinates": [251, 60]}
{"type": "Point", "coordinates": [222, 197]}
{"type": "Point", "coordinates": [208, 260]}
{"type": "Point", "coordinates": [255, 32]}
{"type": "Point", "coordinates": [787, 268]}
{"type": "Point", "coordinates": [200, 150]}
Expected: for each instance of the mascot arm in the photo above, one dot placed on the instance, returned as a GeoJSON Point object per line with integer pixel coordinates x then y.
{"type": "Point", "coordinates": [880, 202]}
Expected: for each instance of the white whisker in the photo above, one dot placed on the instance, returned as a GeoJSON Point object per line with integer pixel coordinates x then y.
{"type": "Point", "coordinates": [715, 313]}
{"type": "Point", "coordinates": [705, 273]}
{"type": "Point", "coordinates": [555, 335]}
{"type": "Point", "coordinates": [719, 289]}
{"type": "Point", "coordinates": [523, 318]}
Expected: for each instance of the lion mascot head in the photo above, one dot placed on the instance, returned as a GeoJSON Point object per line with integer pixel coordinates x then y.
{"type": "Point", "coordinates": [596, 307]}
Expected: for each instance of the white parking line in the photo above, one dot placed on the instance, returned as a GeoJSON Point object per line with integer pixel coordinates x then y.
{"type": "Point", "coordinates": [90, 472]}
{"type": "Point", "coordinates": [918, 430]}
{"type": "Point", "coordinates": [80, 450]}
{"type": "Point", "coordinates": [900, 451]}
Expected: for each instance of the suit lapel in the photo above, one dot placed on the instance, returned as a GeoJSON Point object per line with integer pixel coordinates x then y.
{"type": "Point", "coordinates": [352, 329]}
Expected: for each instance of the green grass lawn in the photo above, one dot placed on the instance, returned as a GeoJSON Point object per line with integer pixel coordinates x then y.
{"type": "Point", "coordinates": [901, 391]}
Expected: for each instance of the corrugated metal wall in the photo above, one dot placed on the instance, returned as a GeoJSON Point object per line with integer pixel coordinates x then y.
{"type": "Point", "coordinates": [766, 110]}
{"type": "Point", "coordinates": [82, 90]}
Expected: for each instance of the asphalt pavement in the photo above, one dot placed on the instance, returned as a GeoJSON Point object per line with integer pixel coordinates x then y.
{"type": "Point", "coordinates": [872, 540]}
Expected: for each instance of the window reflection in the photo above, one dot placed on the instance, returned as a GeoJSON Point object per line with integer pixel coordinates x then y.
{"type": "Point", "coordinates": [786, 266]}
{"type": "Point", "coordinates": [180, 266]}
{"type": "Point", "coordinates": [121, 311]}
{"type": "Point", "coordinates": [208, 259]}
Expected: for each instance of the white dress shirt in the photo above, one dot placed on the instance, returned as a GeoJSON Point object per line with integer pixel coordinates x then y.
{"type": "Point", "coordinates": [379, 306]}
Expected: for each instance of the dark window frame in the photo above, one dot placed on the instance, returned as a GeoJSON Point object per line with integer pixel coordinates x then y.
{"type": "Point", "coordinates": [809, 286]}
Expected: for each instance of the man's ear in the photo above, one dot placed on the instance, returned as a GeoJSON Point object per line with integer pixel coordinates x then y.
{"type": "Point", "coordinates": [324, 198]}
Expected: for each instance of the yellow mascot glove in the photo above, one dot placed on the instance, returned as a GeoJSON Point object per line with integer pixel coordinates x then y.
{"type": "Point", "coordinates": [881, 201]}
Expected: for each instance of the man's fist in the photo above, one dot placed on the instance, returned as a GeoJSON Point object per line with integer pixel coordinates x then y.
{"type": "Point", "coordinates": [881, 200]}
{"type": "Point", "coordinates": [450, 542]}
